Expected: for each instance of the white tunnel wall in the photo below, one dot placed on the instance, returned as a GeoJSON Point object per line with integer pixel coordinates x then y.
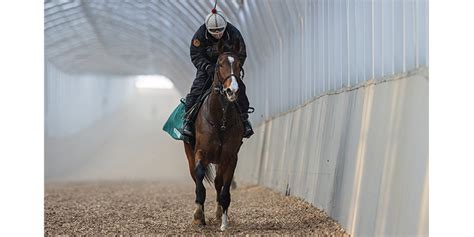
{"type": "Point", "coordinates": [74, 101]}
{"type": "Point", "coordinates": [302, 49]}
{"type": "Point", "coordinates": [359, 154]}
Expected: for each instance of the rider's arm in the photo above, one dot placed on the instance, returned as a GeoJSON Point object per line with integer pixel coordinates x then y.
{"type": "Point", "coordinates": [198, 50]}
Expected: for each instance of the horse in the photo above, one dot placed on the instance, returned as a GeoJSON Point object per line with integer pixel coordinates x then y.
{"type": "Point", "coordinates": [218, 136]}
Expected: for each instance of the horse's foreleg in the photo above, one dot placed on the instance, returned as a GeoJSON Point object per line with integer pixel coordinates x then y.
{"type": "Point", "coordinates": [200, 172]}
{"type": "Point", "coordinates": [224, 198]}
{"type": "Point", "coordinates": [218, 183]}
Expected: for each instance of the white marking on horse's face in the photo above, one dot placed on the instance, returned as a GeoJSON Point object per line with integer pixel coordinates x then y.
{"type": "Point", "coordinates": [234, 86]}
{"type": "Point", "coordinates": [231, 96]}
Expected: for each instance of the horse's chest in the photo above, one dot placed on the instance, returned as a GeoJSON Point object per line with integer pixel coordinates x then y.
{"type": "Point", "coordinates": [214, 151]}
{"type": "Point", "coordinates": [218, 149]}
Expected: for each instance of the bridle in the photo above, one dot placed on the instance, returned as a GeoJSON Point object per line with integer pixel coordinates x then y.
{"type": "Point", "coordinates": [219, 86]}
{"type": "Point", "coordinates": [219, 89]}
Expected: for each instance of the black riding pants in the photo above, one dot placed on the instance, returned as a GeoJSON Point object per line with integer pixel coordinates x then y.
{"type": "Point", "coordinates": [200, 86]}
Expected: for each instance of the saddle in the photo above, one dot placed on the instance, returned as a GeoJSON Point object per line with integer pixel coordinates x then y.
{"type": "Point", "coordinates": [174, 124]}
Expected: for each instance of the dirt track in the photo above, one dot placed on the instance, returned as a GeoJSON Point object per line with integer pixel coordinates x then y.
{"type": "Point", "coordinates": [159, 208]}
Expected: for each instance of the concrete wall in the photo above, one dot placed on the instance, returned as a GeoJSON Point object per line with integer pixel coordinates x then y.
{"type": "Point", "coordinates": [360, 153]}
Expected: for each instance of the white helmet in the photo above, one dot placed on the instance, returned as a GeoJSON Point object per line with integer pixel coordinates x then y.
{"type": "Point", "coordinates": [216, 23]}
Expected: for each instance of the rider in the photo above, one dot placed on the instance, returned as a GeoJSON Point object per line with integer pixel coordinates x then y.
{"type": "Point", "coordinates": [204, 54]}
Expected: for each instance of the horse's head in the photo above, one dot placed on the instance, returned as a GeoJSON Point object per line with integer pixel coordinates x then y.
{"type": "Point", "coordinates": [227, 77]}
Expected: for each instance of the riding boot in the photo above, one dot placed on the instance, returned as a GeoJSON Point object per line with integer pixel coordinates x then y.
{"type": "Point", "coordinates": [200, 84]}
{"type": "Point", "coordinates": [248, 131]}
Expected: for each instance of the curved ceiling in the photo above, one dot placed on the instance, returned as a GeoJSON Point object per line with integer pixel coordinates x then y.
{"type": "Point", "coordinates": [127, 37]}
{"type": "Point", "coordinates": [297, 50]}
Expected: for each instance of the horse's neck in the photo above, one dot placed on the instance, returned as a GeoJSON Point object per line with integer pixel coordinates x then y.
{"type": "Point", "coordinates": [215, 107]}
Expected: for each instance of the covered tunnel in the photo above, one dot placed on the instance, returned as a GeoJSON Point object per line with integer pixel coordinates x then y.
{"type": "Point", "coordinates": [340, 90]}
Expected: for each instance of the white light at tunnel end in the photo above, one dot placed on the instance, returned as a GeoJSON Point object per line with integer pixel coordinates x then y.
{"type": "Point", "coordinates": [153, 82]}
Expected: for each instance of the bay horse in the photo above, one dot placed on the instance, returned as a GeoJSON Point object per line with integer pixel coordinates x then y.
{"type": "Point", "coordinates": [218, 136]}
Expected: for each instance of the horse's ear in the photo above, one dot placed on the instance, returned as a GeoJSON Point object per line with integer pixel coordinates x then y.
{"type": "Point", "coordinates": [223, 47]}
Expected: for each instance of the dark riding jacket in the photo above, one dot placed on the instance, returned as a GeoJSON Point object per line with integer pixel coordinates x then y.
{"type": "Point", "coordinates": [204, 54]}
{"type": "Point", "coordinates": [204, 51]}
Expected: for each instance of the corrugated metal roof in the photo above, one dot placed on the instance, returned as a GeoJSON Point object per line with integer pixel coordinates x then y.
{"type": "Point", "coordinates": [296, 49]}
{"type": "Point", "coordinates": [125, 37]}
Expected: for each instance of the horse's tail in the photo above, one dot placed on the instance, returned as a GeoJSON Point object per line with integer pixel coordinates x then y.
{"type": "Point", "coordinates": [210, 173]}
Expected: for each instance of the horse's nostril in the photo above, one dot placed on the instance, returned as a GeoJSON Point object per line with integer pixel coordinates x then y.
{"type": "Point", "coordinates": [229, 91]}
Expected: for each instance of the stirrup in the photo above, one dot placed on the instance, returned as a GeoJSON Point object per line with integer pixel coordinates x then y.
{"type": "Point", "coordinates": [187, 129]}
{"type": "Point", "coordinates": [188, 138]}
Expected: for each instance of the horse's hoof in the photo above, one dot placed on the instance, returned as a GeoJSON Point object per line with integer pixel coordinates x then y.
{"type": "Point", "coordinates": [199, 223]}
{"type": "Point", "coordinates": [225, 223]}
{"type": "Point", "coordinates": [199, 218]}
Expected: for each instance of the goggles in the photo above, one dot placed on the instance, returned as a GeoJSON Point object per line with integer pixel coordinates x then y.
{"type": "Point", "coordinates": [216, 30]}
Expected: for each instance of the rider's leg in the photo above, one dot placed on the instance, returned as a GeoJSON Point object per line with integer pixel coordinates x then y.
{"type": "Point", "coordinates": [196, 89]}
{"type": "Point", "coordinates": [243, 103]}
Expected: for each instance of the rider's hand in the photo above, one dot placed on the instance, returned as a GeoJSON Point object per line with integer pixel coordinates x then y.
{"type": "Point", "coordinates": [211, 70]}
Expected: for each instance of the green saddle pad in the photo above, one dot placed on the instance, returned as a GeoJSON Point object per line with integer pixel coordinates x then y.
{"type": "Point", "coordinates": [174, 124]}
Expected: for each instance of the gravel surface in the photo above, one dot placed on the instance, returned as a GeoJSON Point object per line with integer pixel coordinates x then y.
{"type": "Point", "coordinates": [167, 208]}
